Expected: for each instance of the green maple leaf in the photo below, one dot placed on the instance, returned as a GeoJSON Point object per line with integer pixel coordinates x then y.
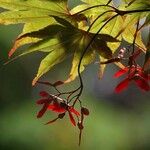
{"type": "Point", "coordinates": [58, 30]}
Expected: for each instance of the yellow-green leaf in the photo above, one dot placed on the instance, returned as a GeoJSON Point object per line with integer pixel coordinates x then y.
{"type": "Point", "coordinates": [48, 62]}
{"type": "Point", "coordinates": [87, 59]}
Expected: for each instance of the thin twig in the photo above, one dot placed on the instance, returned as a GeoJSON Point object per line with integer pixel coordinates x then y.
{"type": "Point", "coordinates": [85, 50]}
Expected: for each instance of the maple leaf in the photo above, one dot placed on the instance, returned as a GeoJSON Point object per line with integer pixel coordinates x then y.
{"type": "Point", "coordinates": [60, 30]}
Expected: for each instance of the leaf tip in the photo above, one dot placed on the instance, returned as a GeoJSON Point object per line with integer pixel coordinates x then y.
{"type": "Point", "coordinates": [11, 52]}
{"type": "Point", "coordinates": [34, 81]}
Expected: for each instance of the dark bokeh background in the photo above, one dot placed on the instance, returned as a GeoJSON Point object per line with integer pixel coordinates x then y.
{"type": "Point", "coordinates": [116, 121]}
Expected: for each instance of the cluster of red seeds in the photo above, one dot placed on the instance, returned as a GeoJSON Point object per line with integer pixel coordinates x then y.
{"type": "Point", "coordinates": [61, 107]}
{"type": "Point", "coordinates": [133, 74]}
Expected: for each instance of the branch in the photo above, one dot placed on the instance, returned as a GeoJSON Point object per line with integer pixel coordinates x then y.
{"type": "Point", "coordinates": [85, 50]}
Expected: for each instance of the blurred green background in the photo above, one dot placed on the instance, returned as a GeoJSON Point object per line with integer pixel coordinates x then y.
{"type": "Point", "coordinates": [116, 121]}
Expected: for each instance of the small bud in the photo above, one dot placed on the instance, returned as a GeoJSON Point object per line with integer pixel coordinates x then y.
{"type": "Point", "coordinates": [61, 115]}
{"type": "Point", "coordinates": [85, 111]}
{"type": "Point", "coordinates": [64, 105]}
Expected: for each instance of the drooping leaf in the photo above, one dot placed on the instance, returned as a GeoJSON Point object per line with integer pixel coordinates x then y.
{"type": "Point", "coordinates": [96, 2]}
{"type": "Point", "coordinates": [102, 48]}
{"type": "Point", "coordinates": [28, 28]}
{"type": "Point", "coordinates": [138, 4]}
{"type": "Point", "coordinates": [113, 29]}
{"type": "Point", "coordinates": [20, 42]}
{"type": "Point", "coordinates": [92, 14]}
{"type": "Point", "coordinates": [49, 26]}
{"type": "Point", "coordinates": [87, 59]}
{"type": "Point", "coordinates": [46, 34]}
{"type": "Point", "coordinates": [36, 12]}
{"type": "Point", "coordinates": [102, 45]}
{"type": "Point", "coordinates": [129, 30]}
{"type": "Point", "coordinates": [147, 21]}
{"type": "Point", "coordinates": [35, 5]}
{"type": "Point", "coordinates": [15, 17]}
{"type": "Point", "coordinates": [48, 62]}
{"type": "Point", "coordinates": [72, 4]}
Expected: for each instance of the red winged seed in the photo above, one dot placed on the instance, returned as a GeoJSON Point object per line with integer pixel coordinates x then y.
{"type": "Point", "coordinates": [43, 110]}
{"type": "Point", "coordinates": [72, 110]}
{"type": "Point", "coordinates": [122, 85]}
{"type": "Point", "coordinates": [72, 119]}
{"type": "Point", "coordinates": [56, 108]}
{"type": "Point", "coordinates": [44, 94]}
{"type": "Point", "coordinates": [142, 84]}
{"type": "Point", "coordinates": [121, 72]}
{"type": "Point", "coordinates": [43, 101]}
